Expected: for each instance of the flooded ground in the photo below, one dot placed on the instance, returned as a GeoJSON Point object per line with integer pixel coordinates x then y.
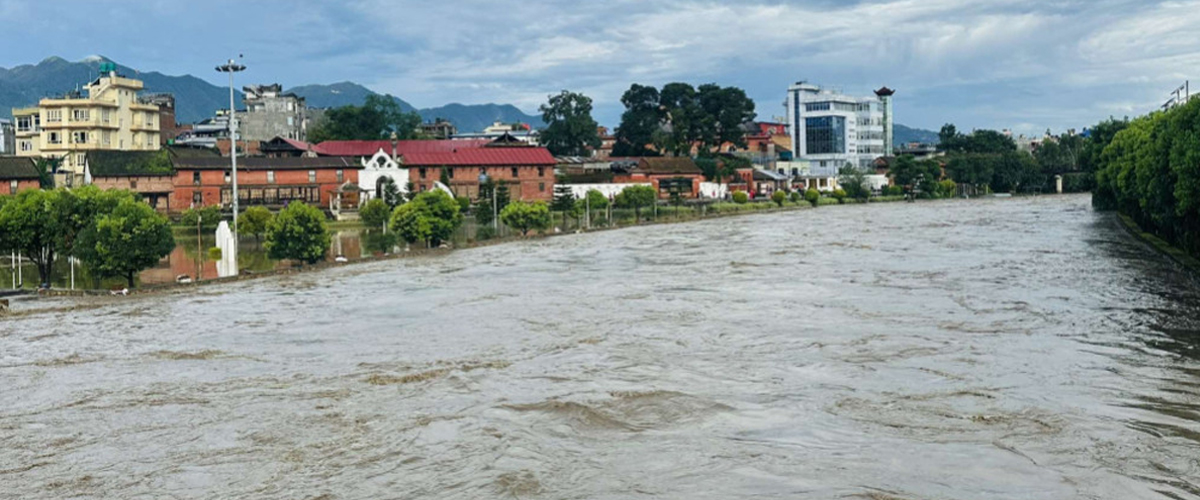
{"type": "Point", "coordinates": [1023, 348]}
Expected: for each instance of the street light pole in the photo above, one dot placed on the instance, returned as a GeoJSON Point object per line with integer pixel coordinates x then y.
{"type": "Point", "coordinates": [232, 67]}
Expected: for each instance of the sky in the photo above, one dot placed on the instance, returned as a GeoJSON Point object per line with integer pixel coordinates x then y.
{"type": "Point", "coordinates": [1025, 65]}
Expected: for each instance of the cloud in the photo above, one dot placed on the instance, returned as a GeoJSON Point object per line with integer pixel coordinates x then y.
{"type": "Point", "coordinates": [990, 63]}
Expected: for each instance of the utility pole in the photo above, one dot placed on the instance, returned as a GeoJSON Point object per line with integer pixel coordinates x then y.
{"type": "Point", "coordinates": [232, 67]}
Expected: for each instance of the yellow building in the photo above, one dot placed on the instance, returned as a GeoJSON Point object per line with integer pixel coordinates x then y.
{"type": "Point", "coordinates": [107, 115]}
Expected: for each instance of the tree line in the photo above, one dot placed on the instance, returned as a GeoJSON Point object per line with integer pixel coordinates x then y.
{"type": "Point", "coordinates": [1150, 171]}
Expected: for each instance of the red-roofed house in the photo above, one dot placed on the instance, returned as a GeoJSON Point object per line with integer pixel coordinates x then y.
{"type": "Point", "coordinates": [528, 171]}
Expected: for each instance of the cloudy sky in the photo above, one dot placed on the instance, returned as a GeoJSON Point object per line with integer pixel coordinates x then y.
{"type": "Point", "coordinates": [1021, 64]}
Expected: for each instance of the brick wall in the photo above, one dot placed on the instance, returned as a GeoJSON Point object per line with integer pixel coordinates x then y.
{"type": "Point", "coordinates": [529, 183]}
{"type": "Point", "coordinates": [256, 186]}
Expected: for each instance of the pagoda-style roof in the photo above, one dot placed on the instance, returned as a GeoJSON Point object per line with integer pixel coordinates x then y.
{"type": "Point", "coordinates": [884, 92]}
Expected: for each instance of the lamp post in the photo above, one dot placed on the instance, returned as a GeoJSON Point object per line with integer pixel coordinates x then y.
{"type": "Point", "coordinates": [232, 67]}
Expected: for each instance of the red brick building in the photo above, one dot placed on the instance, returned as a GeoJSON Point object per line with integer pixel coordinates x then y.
{"type": "Point", "coordinates": [148, 173]}
{"type": "Point", "coordinates": [666, 174]}
{"type": "Point", "coordinates": [17, 174]}
{"type": "Point", "coordinates": [271, 182]}
{"type": "Point", "coordinates": [527, 171]}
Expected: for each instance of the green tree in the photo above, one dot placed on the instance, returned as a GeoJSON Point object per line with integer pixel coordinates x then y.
{"type": "Point", "coordinates": [391, 194]}
{"type": "Point", "coordinates": [564, 201]}
{"type": "Point", "coordinates": [812, 196]}
{"type": "Point", "coordinates": [298, 232]}
{"type": "Point", "coordinates": [254, 221]}
{"type": "Point", "coordinates": [919, 176]}
{"type": "Point", "coordinates": [131, 238]}
{"type": "Point", "coordinates": [377, 118]}
{"type": "Point", "coordinates": [46, 168]}
{"type": "Point", "coordinates": [208, 217]}
{"type": "Point", "coordinates": [779, 197]}
{"type": "Point", "coordinates": [526, 217]}
{"type": "Point", "coordinates": [724, 112]}
{"type": "Point", "coordinates": [30, 225]}
{"type": "Point", "coordinates": [431, 216]}
{"type": "Point", "coordinates": [637, 198]}
{"type": "Point", "coordinates": [640, 121]}
{"type": "Point", "coordinates": [570, 129]}
{"type": "Point", "coordinates": [854, 182]}
{"type": "Point", "coordinates": [594, 202]}
{"type": "Point", "coordinates": [683, 119]}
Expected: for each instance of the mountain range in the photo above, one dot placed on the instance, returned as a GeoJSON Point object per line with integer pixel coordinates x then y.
{"type": "Point", "coordinates": [196, 99]}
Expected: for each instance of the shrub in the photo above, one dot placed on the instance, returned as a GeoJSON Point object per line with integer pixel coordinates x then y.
{"type": "Point", "coordinates": [525, 217]}
{"type": "Point", "coordinates": [812, 196]}
{"type": "Point", "coordinates": [431, 216]}
{"type": "Point", "coordinates": [375, 213]}
{"type": "Point", "coordinates": [464, 203]}
{"type": "Point", "coordinates": [779, 197]}
{"type": "Point", "coordinates": [947, 188]}
{"type": "Point", "coordinates": [795, 197]}
{"type": "Point", "coordinates": [893, 191]}
{"type": "Point", "coordinates": [839, 195]}
{"type": "Point", "coordinates": [254, 221]}
{"type": "Point", "coordinates": [209, 217]}
{"type": "Point", "coordinates": [298, 233]}
{"type": "Point", "coordinates": [740, 197]}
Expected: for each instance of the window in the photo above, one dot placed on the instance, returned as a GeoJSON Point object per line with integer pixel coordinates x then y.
{"type": "Point", "coordinates": [132, 183]}
{"type": "Point", "coordinates": [106, 115]}
{"type": "Point", "coordinates": [54, 138]}
{"type": "Point", "coordinates": [514, 172]}
{"type": "Point", "coordinates": [80, 159]}
{"type": "Point", "coordinates": [26, 145]}
{"type": "Point", "coordinates": [816, 106]}
{"type": "Point", "coordinates": [340, 177]}
{"type": "Point", "coordinates": [542, 186]}
{"type": "Point", "coordinates": [421, 172]}
{"type": "Point", "coordinates": [107, 137]}
{"type": "Point", "coordinates": [291, 120]}
{"type": "Point", "coordinates": [270, 177]}
{"type": "Point", "coordinates": [541, 171]}
{"type": "Point", "coordinates": [312, 176]}
{"type": "Point", "coordinates": [196, 178]}
{"type": "Point", "coordinates": [12, 186]}
{"type": "Point", "coordinates": [825, 135]}
{"type": "Point", "coordinates": [54, 115]}
{"type": "Point", "coordinates": [228, 179]}
{"type": "Point", "coordinates": [197, 197]}
{"type": "Point", "coordinates": [79, 137]}
{"type": "Point", "coordinates": [80, 115]}
{"type": "Point", "coordinates": [25, 124]}
{"type": "Point", "coordinates": [450, 172]}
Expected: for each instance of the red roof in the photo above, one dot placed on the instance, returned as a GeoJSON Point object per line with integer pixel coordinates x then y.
{"type": "Point", "coordinates": [301, 145]}
{"type": "Point", "coordinates": [403, 148]}
{"type": "Point", "coordinates": [489, 157]}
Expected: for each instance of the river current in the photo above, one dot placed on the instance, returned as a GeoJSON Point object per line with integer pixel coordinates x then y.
{"type": "Point", "coordinates": [983, 349]}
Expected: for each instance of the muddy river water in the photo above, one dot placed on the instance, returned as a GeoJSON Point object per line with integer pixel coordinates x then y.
{"type": "Point", "coordinates": [984, 349]}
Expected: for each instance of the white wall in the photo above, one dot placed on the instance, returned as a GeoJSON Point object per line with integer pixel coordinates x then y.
{"type": "Point", "coordinates": [713, 190]}
{"type": "Point", "coordinates": [608, 190]}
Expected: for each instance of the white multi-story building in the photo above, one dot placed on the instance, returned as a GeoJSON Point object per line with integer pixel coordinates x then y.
{"type": "Point", "coordinates": [830, 129]}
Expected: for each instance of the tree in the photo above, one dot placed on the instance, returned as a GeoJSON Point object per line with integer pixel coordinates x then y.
{"type": "Point", "coordinates": [377, 118]}
{"type": "Point", "coordinates": [1013, 170]}
{"type": "Point", "coordinates": [298, 232]}
{"type": "Point", "coordinates": [570, 129]}
{"type": "Point", "coordinates": [854, 182]}
{"type": "Point", "coordinates": [725, 111]}
{"type": "Point", "coordinates": [779, 197]}
{"type": "Point", "coordinates": [640, 121]}
{"type": "Point", "coordinates": [636, 197]}
{"type": "Point", "coordinates": [131, 238]}
{"type": "Point", "coordinates": [812, 196]}
{"type": "Point", "coordinates": [254, 221]}
{"type": "Point", "coordinates": [564, 201]}
{"type": "Point", "coordinates": [374, 213]}
{"type": "Point", "coordinates": [391, 194]}
{"type": "Point", "coordinates": [918, 175]}
{"type": "Point", "coordinates": [431, 216]}
{"type": "Point", "coordinates": [682, 119]}
{"type": "Point", "coordinates": [29, 224]}
{"type": "Point", "coordinates": [208, 217]}
{"type": "Point", "coordinates": [594, 201]}
{"type": "Point", "coordinates": [526, 217]}
{"type": "Point", "coordinates": [46, 168]}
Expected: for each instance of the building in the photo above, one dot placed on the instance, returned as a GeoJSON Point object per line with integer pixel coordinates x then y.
{"type": "Point", "coordinates": [148, 173]}
{"type": "Point", "coordinates": [527, 171]}
{"type": "Point", "coordinates": [271, 182]}
{"type": "Point", "coordinates": [438, 129]}
{"type": "Point", "coordinates": [270, 112]}
{"type": "Point", "coordinates": [520, 131]}
{"type": "Point", "coordinates": [667, 174]}
{"type": "Point", "coordinates": [17, 174]}
{"type": "Point", "coordinates": [832, 129]}
{"type": "Point", "coordinates": [167, 128]}
{"type": "Point", "coordinates": [8, 138]}
{"type": "Point", "coordinates": [107, 115]}
{"type": "Point", "coordinates": [285, 148]}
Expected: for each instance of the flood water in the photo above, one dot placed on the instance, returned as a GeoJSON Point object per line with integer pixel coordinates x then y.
{"type": "Point", "coordinates": [985, 349]}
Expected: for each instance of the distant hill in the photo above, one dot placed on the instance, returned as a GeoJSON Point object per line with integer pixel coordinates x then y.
{"type": "Point", "coordinates": [21, 86]}
{"type": "Point", "coordinates": [905, 135]}
{"type": "Point", "coordinates": [467, 117]}
{"type": "Point", "coordinates": [196, 99]}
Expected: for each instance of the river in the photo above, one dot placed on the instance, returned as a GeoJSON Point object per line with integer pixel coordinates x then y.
{"type": "Point", "coordinates": [984, 349]}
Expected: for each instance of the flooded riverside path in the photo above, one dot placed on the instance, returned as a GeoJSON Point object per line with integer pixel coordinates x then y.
{"type": "Point", "coordinates": [985, 349]}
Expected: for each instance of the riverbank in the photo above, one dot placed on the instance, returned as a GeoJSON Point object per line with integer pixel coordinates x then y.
{"type": "Point", "coordinates": [664, 215]}
{"type": "Point", "coordinates": [1160, 245]}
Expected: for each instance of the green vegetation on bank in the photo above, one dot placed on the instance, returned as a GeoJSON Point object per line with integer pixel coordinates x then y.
{"type": "Point", "coordinates": [1150, 172]}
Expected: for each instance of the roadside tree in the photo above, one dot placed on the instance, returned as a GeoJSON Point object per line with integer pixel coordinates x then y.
{"type": "Point", "coordinates": [299, 233]}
